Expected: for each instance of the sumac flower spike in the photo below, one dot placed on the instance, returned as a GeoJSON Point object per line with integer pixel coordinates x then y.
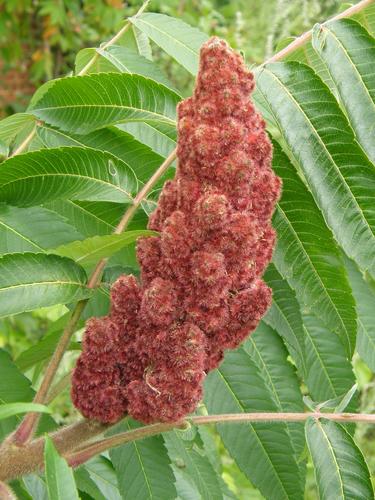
{"type": "Point", "coordinates": [201, 290]}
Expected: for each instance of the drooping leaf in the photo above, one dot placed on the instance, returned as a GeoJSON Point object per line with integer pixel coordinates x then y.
{"type": "Point", "coordinates": [262, 451]}
{"type": "Point", "coordinates": [284, 316]}
{"type": "Point", "coordinates": [307, 256]}
{"type": "Point", "coordinates": [85, 103]}
{"type": "Point", "coordinates": [322, 144]}
{"type": "Point", "coordinates": [191, 466]}
{"type": "Point", "coordinates": [364, 294]}
{"type": "Point", "coordinates": [177, 38]}
{"type": "Point", "coordinates": [103, 475]}
{"type": "Point", "coordinates": [10, 409]}
{"type": "Point", "coordinates": [59, 476]}
{"type": "Point", "coordinates": [117, 58]}
{"type": "Point", "coordinates": [91, 250]}
{"type": "Point", "coordinates": [33, 229]}
{"type": "Point", "coordinates": [349, 54]}
{"type": "Point", "coordinates": [29, 281]}
{"type": "Point", "coordinates": [329, 372]}
{"type": "Point", "coordinates": [65, 173]}
{"type": "Point", "coordinates": [340, 469]}
{"type": "Point", "coordinates": [270, 355]}
{"type": "Point", "coordinates": [143, 468]}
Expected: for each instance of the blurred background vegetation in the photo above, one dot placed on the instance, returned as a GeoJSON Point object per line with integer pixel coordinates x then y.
{"type": "Point", "coordinates": [39, 40]}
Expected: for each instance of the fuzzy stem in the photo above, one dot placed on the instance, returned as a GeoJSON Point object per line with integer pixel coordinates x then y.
{"type": "Point", "coordinates": [27, 427]}
{"type": "Point", "coordinates": [73, 441]}
{"type": "Point", "coordinates": [112, 41]}
{"type": "Point", "coordinates": [298, 42]}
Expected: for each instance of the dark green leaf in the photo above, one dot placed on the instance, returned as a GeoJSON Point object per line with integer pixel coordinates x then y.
{"type": "Point", "coordinates": [340, 469]}
{"type": "Point", "coordinates": [66, 173]}
{"type": "Point", "coordinates": [349, 54]}
{"type": "Point", "coordinates": [29, 281]}
{"type": "Point", "coordinates": [270, 355]}
{"type": "Point", "coordinates": [262, 451]}
{"type": "Point", "coordinates": [177, 38]}
{"type": "Point", "coordinates": [307, 255]}
{"type": "Point", "coordinates": [85, 103]}
{"type": "Point", "coordinates": [143, 468]}
{"type": "Point", "coordinates": [364, 294]}
{"type": "Point", "coordinates": [322, 144]}
{"type": "Point", "coordinates": [59, 477]}
{"type": "Point", "coordinates": [285, 317]}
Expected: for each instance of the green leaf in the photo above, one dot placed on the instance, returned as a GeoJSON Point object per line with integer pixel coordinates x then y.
{"type": "Point", "coordinates": [143, 468]}
{"type": "Point", "coordinates": [11, 409]}
{"type": "Point", "coordinates": [340, 469]}
{"type": "Point", "coordinates": [45, 346]}
{"type": "Point", "coordinates": [321, 143]}
{"type": "Point", "coordinates": [338, 405]}
{"type": "Point", "coordinates": [177, 38]}
{"type": "Point", "coordinates": [13, 125]}
{"type": "Point", "coordinates": [161, 140]}
{"type": "Point", "coordinates": [349, 54]}
{"type": "Point", "coordinates": [85, 103]}
{"type": "Point", "coordinates": [35, 486]}
{"type": "Point", "coordinates": [117, 58]}
{"type": "Point", "coordinates": [89, 251]}
{"type": "Point", "coordinates": [29, 281]}
{"type": "Point", "coordinates": [59, 476]}
{"type": "Point", "coordinates": [262, 451]}
{"type": "Point", "coordinates": [329, 372]}
{"type": "Point", "coordinates": [65, 173]}
{"type": "Point", "coordinates": [190, 465]}
{"type": "Point", "coordinates": [139, 157]}
{"type": "Point", "coordinates": [102, 474]}
{"type": "Point", "coordinates": [33, 229]}
{"type": "Point", "coordinates": [364, 294]}
{"type": "Point", "coordinates": [307, 256]}
{"type": "Point", "coordinates": [284, 316]}
{"type": "Point", "coordinates": [270, 355]}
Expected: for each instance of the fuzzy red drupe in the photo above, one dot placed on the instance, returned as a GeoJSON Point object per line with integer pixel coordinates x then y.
{"type": "Point", "coordinates": [201, 290]}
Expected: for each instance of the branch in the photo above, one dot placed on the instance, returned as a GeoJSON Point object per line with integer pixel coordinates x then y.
{"type": "Point", "coordinates": [301, 40]}
{"type": "Point", "coordinates": [73, 441]}
{"type": "Point", "coordinates": [28, 425]}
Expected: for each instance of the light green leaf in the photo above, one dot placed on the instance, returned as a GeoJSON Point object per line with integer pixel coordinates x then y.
{"type": "Point", "coordinates": [143, 468]}
{"type": "Point", "coordinates": [270, 355]}
{"type": "Point", "coordinates": [364, 294]}
{"type": "Point", "coordinates": [307, 256]}
{"type": "Point", "coordinates": [102, 474]}
{"type": "Point", "coordinates": [191, 466]}
{"type": "Point", "coordinates": [29, 281]}
{"type": "Point", "coordinates": [89, 251]}
{"type": "Point", "coordinates": [117, 58]}
{"type": "Point", "coordinates": [35, 486]}
{"type": "Point", "coordinates": [349, 54]}
{"type": "Point", "coordinates": [262, 451]}
{"type": "Point", "coordinates": [11, 409]}
{"type": "Point", "coordinates": [284, 316]}
{"type": "Point", "coordinates": [33, 229]}
{"type": "Point", "coordinates": [322, 144]}
{"type": "Point", "coordinates": [85, 103]}
{"type": "Point", "coordinates": [340, 469]}
{"type": "Point", "coordinates": [65, 173]}
{"type": "Point", "coordinates": [13, 125]}
{"type": "Point", "coordinates": [162, 139]}
{"type": "Point", "coordinates": [177, 38]}
{"type": "Point", "coordinates": [59, 476]}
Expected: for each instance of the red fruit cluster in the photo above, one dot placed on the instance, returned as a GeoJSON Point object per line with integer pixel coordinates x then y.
{"type": "Point", "coordinates": [201, 290]}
